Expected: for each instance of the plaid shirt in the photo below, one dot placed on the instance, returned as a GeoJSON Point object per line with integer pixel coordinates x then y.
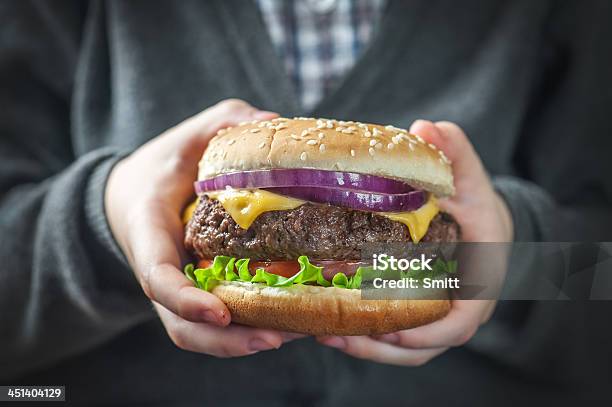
{"type": "Point", "coordinates": [319, 41]}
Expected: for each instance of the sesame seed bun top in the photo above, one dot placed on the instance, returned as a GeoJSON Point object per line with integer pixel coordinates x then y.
{"type": "Point", "coordinates": [329, 145]}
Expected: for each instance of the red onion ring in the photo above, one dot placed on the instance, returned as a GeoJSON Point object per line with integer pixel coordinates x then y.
{"type": "Point", "coordinates": [303, 177]}
{"type": "Point", "coordinates": [366, 201]}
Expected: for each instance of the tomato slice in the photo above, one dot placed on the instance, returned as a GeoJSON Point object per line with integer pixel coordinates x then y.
{"type": "Point", "coordinates": [333, 267]}
{"type": "Point", "coordinates": [281, 268]}
{"type": "Point", "coordinates": [204, 263]}
{"type": "Point", "coordinates": [291, 267]}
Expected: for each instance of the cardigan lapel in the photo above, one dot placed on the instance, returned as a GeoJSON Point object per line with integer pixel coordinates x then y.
{"type": "Point", "coordinates": [396, 28]}
{"type": "Point", "coordinates": [267, 75]}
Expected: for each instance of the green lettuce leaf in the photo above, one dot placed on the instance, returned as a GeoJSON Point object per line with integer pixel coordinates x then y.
{"type": "Point", "coordinates": [340, 280]}
{"type": "Point", "coordinates": [226, 268]}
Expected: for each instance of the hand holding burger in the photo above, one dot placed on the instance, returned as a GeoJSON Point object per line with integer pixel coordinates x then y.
{"type": "Point", "coordinates": [483, 217]}
{"type": "Point", "coordinates": [145, 195]}
{"type": "Point", "coordinates": [283, 256]}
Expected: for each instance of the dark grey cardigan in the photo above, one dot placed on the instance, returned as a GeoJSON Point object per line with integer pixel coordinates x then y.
{"type": "Point", "coordinates": [83, 82]}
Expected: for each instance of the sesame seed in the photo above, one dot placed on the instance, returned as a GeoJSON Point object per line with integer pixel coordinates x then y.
{"type": "Point", "coordinates": [312, 142]}
{"type": "Point", "coordinates": [322, 148]}
{"type": "Point", "coordinates": [303, 156]}
{"type": "Point", "coordinates": [304, 133]}
{"type": "Point", "coordinates": [352, 153]}
{"type": "Point", "coordinates": [282, 126]}
{"type": "Point", "coordinates": [294, 136]}
{"type": "Point", "coordinates": [393, 128]}
{"type": "Point", "coordinates": [264, 124]}
{"type": "Point", "coordinates": [433, 147]}
{"type": "Point", "coordinates": [376, 132]}
{"type": "Point", "coordinates": [339, 128]}
{"type": "Point", "coordinates": [348, 131]}
{"type": "Point", "coordinates": [419, 139]}
{"type": "Point", "coordinates": [242, 123]}
{"type": "Point", "coordinates": [262, 144]}
{"type": "Point", "coordinates": [245, 131]}
{"type": "Point", "coordinates": [342, 123]}
{"type": "Point", "coordinates": [371, 151]}
{"type": "Point", "coordinates": [255, 130]}
{"type": "Point", "coordinates": [444, 157]}
{"type": "Point", "coordinates": [441, 161]}
{"type": "Point", "coordinates": [378, 146]}
{"type": "Point", "coordinates": [373, 142]}
{"type": "Point", "coordinates": [224, 155]}
{"type": "Point", "coordinates": [390, 146]}
{"type": "Point", "coordinates": [411, 146]}
{"type": "Point", "coordinates": [321, 135]}
{"type": "Point", "coordinates": [254, 121]}
{"type": "Point", "coordinates": [329, 125]}
{"type": "Point", "coordinates": [367, 133]}
{"type": "Point", "coordinates": [232, 141]}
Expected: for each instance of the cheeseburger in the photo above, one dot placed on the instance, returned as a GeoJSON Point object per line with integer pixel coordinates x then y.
{"type": "Point", "coordinates": [285, 208]}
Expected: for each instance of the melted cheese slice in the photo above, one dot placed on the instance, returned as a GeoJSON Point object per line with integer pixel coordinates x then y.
{"type": "Point", "coordinates": [417, 221]}
{"type": "Point", "coordinates": [189, 210]}
{"type": "Point", "coordinates": [244, 206]}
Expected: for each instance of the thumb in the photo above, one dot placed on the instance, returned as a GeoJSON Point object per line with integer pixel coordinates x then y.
{"type": "Point", "coordinates": [230, 112]}
{"type": "Point", "coordinates": [181, 147]}
{"type": "Point", "coordinates": [468, 170]}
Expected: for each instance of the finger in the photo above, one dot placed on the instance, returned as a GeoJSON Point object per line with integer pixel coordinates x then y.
{"type": "Point", "coordinates": [449, 138]}
{"type": "Point", "coordinates": [429, 132]}
{"type": "Point", "coordinates": [226, 113]}
{"type": "Point", "coordinates": [455, 329]}
{"type": "Point", "coordinates": [156, 237]}
{"type": "Point", "coordinates": [461, 152]}
{"type": "Point", "coordinates": [230, 341]}
{"type": "Point", "coordinates": [364, 347]}
{"type": "Point", "coordinates": [180, 148]}
{"type": "Point", "coordinates": [291, 336]}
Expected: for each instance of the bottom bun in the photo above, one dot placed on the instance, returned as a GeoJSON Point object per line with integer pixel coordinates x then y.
{"type": "Point", "coordinates": [325, 310]}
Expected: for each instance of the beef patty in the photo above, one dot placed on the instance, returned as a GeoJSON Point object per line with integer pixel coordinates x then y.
{"type": "Point", "coordinates": [316, 230]}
